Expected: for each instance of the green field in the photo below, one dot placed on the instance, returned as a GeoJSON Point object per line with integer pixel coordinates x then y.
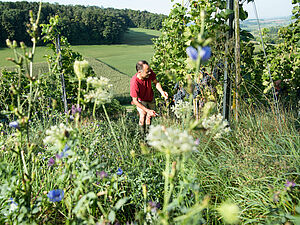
{"type": "Point", "coordinates": [116, 62]}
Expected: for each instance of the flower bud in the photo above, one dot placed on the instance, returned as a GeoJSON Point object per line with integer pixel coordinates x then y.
{"type": "Point", "coordinates": [15, 44]}
{"type": "Point", "coordinates": [81, 68]}
{"type": "Point", "coordinates": [8, 43]}
{"type": "Point", "coordinates": [144, 191]}
{"type": "Point", "coordinates": [22, 44]}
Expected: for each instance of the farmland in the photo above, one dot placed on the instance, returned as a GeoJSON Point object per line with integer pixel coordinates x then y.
{"type": "Point", "coordinates": [116, 62]}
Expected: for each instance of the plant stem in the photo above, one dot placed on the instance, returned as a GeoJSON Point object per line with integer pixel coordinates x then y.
{"type": "Point", "coordinates": [113, 132]}
{"type": "Point", "coordinates": [94, 110]}
{"type": "Point", "coordinates": [166, 189]}
{"type": "Point", "coordinates": [78, 95]}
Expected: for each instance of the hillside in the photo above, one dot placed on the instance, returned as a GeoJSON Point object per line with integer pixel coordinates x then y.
{"type": "Point", "coordinates": [251, 24]}
{"type": "Point", "coordinates": [116, 62]}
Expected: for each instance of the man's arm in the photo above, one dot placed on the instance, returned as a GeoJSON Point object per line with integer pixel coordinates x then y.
{"type": "Point", "coordinates": [159, 88]}
{"type": "Point", "coordinates": [141, 106]}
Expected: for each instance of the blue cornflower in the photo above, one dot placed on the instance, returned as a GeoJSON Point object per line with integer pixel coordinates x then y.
{"type": "Point", "coordinates": [120, 171]}
{"type": "Point", "coordinates": [13, 205]}
{"type": "Point", "coordinates": [14, 124]}
{"type": "Point", "coordinates": [63, 153]}
{"type": "Point", "coordinates": [205, 53]}
{"type": "Point", "coordinates": [55, 195]}
{"type": "Point", "coordinates": [11, 201]}
{"type": "Point", "coordinates": [192, 53]}
{"type": "Point", "coordinates": [190, 23]}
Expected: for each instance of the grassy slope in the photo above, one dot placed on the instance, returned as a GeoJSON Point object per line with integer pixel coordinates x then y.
{"type": "Point", "coordinates": [116, 62]}
{"type": "Point", "coordinates": [135, 45]}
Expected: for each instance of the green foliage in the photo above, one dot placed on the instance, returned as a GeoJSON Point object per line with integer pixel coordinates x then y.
{"type": "Point", "coordinates": [284, 61]}
{"type": "Point", "coordinates": [60, 63]}
{"type": "Point", "coordinates": [181, 29]}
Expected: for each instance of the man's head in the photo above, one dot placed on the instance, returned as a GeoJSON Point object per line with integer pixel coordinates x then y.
{"type": "Point", "coordinates": [143, 69]}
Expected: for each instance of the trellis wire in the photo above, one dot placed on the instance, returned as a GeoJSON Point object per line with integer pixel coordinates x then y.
{"type": "Point", "coordinates": [266, 59]}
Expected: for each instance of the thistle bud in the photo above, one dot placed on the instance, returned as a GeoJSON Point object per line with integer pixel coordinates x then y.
{"type": "Point", "coordinates": [8, 43]}
{"type": "Point", "coordinates": [30, 14]}
{"type": "Point", "coordinates": [13, 89]}
{"type": "Point", "coordinates": [54, 103]}
{"type": "Point", "coordinates": [81, 68]}
{"type": "Point", "coordinates": [22, 44]}
{"type": "Point", "coordinates": [144, 187]}
{"type": "Point", "coordinates": [132, 153]}
{"type": "Point", "coordinates": [30, 55]}
{"type": "Point", "coordinates": [20, 61]}
{"type": "Point", "coordinates": [15, 44]}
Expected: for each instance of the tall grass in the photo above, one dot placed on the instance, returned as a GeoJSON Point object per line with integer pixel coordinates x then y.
{"type": "Point", "coordinates": [250, 167]}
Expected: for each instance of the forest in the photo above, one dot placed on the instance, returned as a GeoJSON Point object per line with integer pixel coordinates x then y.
{"type": "Point", "coordinates": [95, 25]}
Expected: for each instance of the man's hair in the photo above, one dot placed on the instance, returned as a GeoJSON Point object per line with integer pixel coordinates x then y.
{"type": "Point", "coordinates": [139, 65]}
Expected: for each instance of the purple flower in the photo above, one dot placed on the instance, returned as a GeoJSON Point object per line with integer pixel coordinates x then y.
{"type": "Point", "coordinates": [101, 174]}
{"type": "Point", "coordinates": [192, 53]}
{"type": "Point", "coordinates": [75, 109]}
{"type": "Point", "coordinates": [154, 206]}
{"type": "Point", "coordinates": [197, 141]}
{"type": "Point", "coordinates": [205, 53]}
{"type": "Point", "coordinates": [14, 124]}
{"type": "Point", "coordinates": [55, 195]}
{"type": "Point", "coordinates": [51, 162]}
{"type": "Point", "coordinates": [120, 171]}
{"type": "Point", "coordinates": [289, 184]}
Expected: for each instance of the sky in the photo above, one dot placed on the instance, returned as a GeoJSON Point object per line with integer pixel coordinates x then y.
{"type": "Point", "coordinates": [265, 8]}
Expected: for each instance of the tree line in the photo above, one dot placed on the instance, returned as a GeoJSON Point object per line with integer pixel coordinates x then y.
{"type": "Point", "coordinates": [80, 24]}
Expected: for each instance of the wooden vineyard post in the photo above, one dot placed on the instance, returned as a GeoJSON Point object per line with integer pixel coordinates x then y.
{"type": "Point", "coordinates": [227, 82]}
{"type": "Point", "coordinates": [237, 57]}
{"type": "Point", "coordinates": [62, 79]}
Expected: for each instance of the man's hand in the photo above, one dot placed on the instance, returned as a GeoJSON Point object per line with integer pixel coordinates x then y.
{"type": "Point", "coordinates": [151, 113]}
{"type": "Point", "coordinates": [165, 95]}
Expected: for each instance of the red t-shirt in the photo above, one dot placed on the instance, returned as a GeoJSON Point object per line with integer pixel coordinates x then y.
{"type": "Point", "coordinates": [142, 89]}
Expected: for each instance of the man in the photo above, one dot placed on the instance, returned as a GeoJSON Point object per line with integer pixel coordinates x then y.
{"type": "Point", "coordinates": [142, 93]}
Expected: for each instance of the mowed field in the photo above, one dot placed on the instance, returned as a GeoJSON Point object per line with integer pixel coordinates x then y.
{"type": "Point", "coordinates": [116, 62]}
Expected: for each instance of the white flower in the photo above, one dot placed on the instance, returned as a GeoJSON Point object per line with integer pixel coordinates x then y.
{"type": "Point", "coordinates": [216, 125]}
{"type": "Point", "coordinates": [57, 135]}
{"type": "Point", "coordinates": [182, 109]}
{"type": "Point", "coordinates": [102, 92]}
{"type": "Point", "coordinates": [170, 140]}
